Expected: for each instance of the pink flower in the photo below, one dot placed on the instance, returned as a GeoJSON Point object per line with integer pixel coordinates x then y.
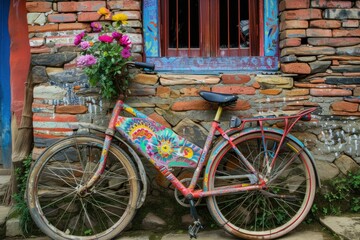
{"type": "Point", "coordinates": [86, 60]}
{"type": "Point", "coordinates": [96, 26]}
{"type": "Point", "coordinates": [125, 42]}
{"type": "Point", "coordinates": [78, 38]}
{"type": "Point", "coordinates": [105, 38]}
{"type": "Point", "coordinates": [117, 35]}
{"type": "Point", "coordinates": [85, 45]}
{"type": "Point", "coordinates": [125, 53]}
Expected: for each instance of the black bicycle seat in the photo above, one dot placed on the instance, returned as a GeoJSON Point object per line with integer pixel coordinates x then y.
{"type": "Point", "coordinates": [221, 98]}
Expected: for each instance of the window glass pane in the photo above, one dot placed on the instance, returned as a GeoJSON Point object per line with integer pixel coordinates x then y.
{"type": "Point", "coordinates": [183, 23]}
{"type": "Point", "coordinates": [234, 23]}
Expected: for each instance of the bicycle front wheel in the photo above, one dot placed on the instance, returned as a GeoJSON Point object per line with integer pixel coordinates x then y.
{"type": "Point", "coordinates": [60, 211]}
{"type": "Point", "coordinates": [271, 212]}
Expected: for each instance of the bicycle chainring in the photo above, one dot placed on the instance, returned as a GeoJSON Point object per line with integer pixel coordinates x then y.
{"type": "Point", "coordinates": [181, 199]}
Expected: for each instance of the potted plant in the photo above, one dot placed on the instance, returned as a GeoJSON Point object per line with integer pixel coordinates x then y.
{"type": "Point", "coordinates": [104, 52]}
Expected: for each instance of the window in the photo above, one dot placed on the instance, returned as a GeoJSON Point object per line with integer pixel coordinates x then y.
{"type": "Point", "coordinates": [209, 28]}
{"type": "Point", "coordinates": [211, 35]}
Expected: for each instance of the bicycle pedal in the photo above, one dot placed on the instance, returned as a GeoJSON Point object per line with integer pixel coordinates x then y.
{"type": "Point", "coordinates": [194, 229]}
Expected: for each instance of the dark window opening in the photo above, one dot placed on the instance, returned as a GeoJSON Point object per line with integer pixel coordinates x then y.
{"type": "Point", "coordinates": [210, 28]}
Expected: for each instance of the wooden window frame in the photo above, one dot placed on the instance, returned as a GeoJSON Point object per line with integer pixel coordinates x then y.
{"type": "Point", "coordinates": [267, 60]}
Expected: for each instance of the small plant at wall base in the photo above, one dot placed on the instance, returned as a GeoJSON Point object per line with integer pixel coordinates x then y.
{"type": "Point", "coordinates": [339, 195]}
{"type": "Point", "coordinates": [104, 53]}
{"type": "Point", "coordinates": [20, 207]}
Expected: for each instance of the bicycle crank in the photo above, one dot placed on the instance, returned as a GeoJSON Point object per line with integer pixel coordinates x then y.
{"type": "Point", "coordinates": [181, 199]}
{"type": "Point", "coordinates": [195, 228]}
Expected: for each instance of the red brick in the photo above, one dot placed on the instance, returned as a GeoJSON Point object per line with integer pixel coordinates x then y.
{"type": "Point", "coordinates": [71, 109]}
{"type": "Point", "coordinates": [314, 32]}
{"type": "Point", "coordinates": [293, 4]}
{"type": "Point", "coordinates": [317, 80]}
{"type": "Point", "coordinates": [61, 18]}
{"type": "Point", "coordinates": [331, 4]}
{"type": "Point", "coordinates": [54, 118]}
{"type": "Point", "coordinates": [294, 24]}
{"type": "Point", "coordinates": [335, 62]}
{"type": "Point", "coordinates": [235, 78]}
{"type": "Point", "coordinates": [41, 49]}
{"type": "Point", "coordinates": [350, 23]}
{"type": "Point", "coordinates": [88, 17]}
{"type": "Point", "coordinates": [317, 92]}
{"type": "Point", "coordinates": [344, 106]}
{"type": "Point", "coordinates": [44, 28]}
{"type": "Point", "coordinates": [256, 85]}
{"type": "Point", "coordinates": [234, 90]}
{"type": "Point", "coordinates": [299, 68]}
{"type": "Point", "coordinates": [290, 42]}
{"type": "Point", "coordinates": [346, 33]}
{"type": "Point", "coordinates": [163, 92]}
{"type": "Point", "coordinates": [325, 24]}
{"type": "Point", "coordinates": [124, 5]}
{"type": "Point", "coordinates": [87, 6]}
{"type": "Point", "coordinates": [301, 14]}
{"type": "Point", "coordinates": [157, 118]}
{"type": "Point", "coordinates": [192, 105]}
{"type": "Point", "coordinates": [74, 26]}
{"type": "Point", "coordinates": [38, 6]}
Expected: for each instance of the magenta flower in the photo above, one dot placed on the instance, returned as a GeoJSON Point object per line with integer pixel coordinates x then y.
{"type": "Point", "coordinates": [78, 38]}
{"type": "Point", "coordinates": [116, 35]}
{"type": "Point", "coordinates": [125, 53]}
{"type": "Point", "coordinates": [86, 61]}
{"type": "Point", "coordinates": [105, 38]}
{"type": "Point", "coordinates": [125, 42]}
{"type": "Point", "coordinates": [85, 45]}
{"type": "Point", "coordinates": [96, 26]}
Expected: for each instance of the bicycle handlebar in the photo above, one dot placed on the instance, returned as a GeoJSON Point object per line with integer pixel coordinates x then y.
{"type": "Point", "coordinates": [149, 66]}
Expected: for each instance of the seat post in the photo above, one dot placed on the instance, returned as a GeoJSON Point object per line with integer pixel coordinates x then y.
{"type": "Point", "coordinates": [218, 113]}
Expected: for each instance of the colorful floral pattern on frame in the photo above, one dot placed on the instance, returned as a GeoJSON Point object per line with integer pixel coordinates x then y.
{"type": "Point", "coordinates": [161, 145]}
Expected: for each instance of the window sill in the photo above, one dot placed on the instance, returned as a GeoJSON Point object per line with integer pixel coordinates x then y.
{"type": "Point", "coordinates": [222, 64]}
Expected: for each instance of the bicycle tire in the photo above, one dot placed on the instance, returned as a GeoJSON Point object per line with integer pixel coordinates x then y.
{"type": "Point", "coordinates": [269, 213]}
{"type": "Point", "coordinates": [62, 213]}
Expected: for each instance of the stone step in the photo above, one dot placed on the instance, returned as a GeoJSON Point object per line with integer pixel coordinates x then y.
{"type": "Point", "coordinates": [4, 186]}
{"type": "Point", "coordinates": [346, 227]}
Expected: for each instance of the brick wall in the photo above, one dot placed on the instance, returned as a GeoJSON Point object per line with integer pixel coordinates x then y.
{"type": "Point", "coordinates": [320, 66]}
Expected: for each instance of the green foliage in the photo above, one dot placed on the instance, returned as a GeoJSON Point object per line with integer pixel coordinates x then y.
{"type": "Point", "coordinates": [20, 207]}
{"type": "Point", "coordinates": [338, 195]}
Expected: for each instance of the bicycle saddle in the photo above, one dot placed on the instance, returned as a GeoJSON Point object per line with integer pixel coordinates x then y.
{"type": "Point", "coordinates": [221, 98]}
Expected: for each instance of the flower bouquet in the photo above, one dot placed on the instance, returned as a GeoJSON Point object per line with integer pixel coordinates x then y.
{"type": "Point", "coordinates": [104, 53]}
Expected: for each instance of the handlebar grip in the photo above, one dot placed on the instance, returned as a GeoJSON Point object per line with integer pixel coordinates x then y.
{"type": "Point", "coordinates": [149, 66]}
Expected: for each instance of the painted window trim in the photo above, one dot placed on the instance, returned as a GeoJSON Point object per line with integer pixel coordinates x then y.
{"type": "Point", "coordinates": [268, 62]}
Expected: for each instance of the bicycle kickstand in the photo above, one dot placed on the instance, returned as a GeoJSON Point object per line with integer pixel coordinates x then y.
{"type": "Point", "coordinates": [195, 228]}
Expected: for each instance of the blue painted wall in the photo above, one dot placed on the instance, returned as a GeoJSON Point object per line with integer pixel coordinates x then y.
{"type": "Point", "coordinates": [5, 97]}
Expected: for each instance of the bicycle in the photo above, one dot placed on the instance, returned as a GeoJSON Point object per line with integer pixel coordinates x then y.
{"type": "Point", "coordinates": [259, 182]}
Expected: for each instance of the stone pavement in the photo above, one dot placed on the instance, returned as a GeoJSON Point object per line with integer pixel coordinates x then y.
{"type": "Point", "coordinates": [331, 228]}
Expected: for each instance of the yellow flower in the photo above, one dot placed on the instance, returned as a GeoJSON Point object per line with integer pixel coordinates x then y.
{"type": "Point", "coordinates": [120, 17]}
{"type": "Point", "coordinates": [104, 11]}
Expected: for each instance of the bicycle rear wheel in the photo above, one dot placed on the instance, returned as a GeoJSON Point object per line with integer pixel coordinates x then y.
{"type": "Point", "coordinates": [268, 213]}
{"type": "Point", "coordinates": [103, 211]}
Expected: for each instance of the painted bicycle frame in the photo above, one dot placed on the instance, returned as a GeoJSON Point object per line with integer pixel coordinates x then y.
{"type": "Point", "coordinates": [165, 149]}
